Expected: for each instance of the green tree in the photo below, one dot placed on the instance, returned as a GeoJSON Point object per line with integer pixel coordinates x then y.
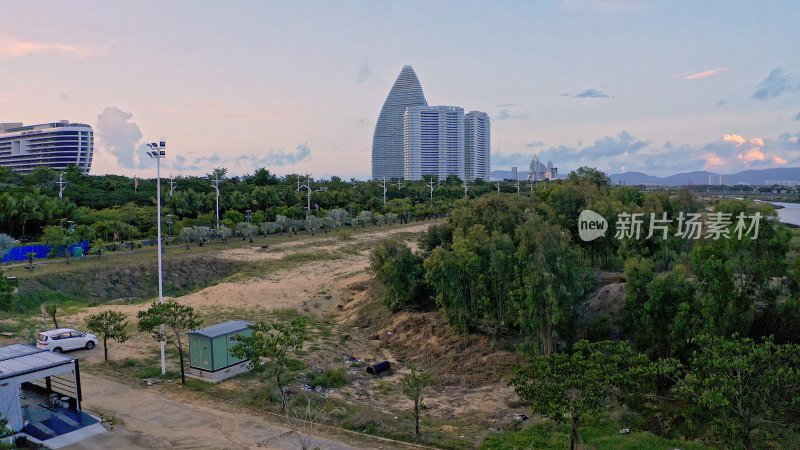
{"type": "Point", "coordinates": [247, 230]}
{"type": "Point", "coordinates": [57, 238]}
{"type": "Point", "coordinates": [549, 283]}
{"type": "Point", "coordinates": [177, 320]}
{"type": "Point", "coordinates": [110, 325]}
{"type": "Point", "coordinates": [7, 287]}
{"type": "Point", "coordinates": [6, 244]}
{"type": "Point", "coordinates": [402, 274]}
{"type": "Point", "coordinates": [272, 341]}
{"type": "Point", "coordinates": [413, 383]}
{"type": "Point", "coordinates": [747, 392]}
{"type": "Point", "coordinates": [4, 431]}
{"type": "Point", "coordinates": [52, 310]}
{"type": "Point", "coordinates": [224, 233]}
{"type": "Point", "coordinates": [568, 387]}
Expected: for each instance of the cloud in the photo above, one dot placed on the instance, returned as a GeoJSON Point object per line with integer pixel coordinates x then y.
{"type": "Point", "coordinates": [365, 72]}
{"type": "Point", "coordinates": [503, 114]}
{"type": "Point", "coordinates": [700, 75]}
{"type": "Point", "coordinates": [506, 105]}
{"type": "Point", "coordinates": [500, 159]}
{"type": "Point", "coordinates": [276, 157]}
{"type": "Point", "coordinates": [118, 135]}
{"type": "Point", "coordinates": [588, 93]}
{"type": "Point", "coordinates": [721, 103]}
{"type": "Point", "coordinates": [776, 84]}
{"type": "Point", "coordinates": [797, 117]}
{"type": "Point", "coordinates": [623, 144]}
{"type": "Point", "coordinates": [534, 144]}
{"type": "Point", "coordinates": [735, 138]}
{"type": "Point", "coordinates": [14, 48]}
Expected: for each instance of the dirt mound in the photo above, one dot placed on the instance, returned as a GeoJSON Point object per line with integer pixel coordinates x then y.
{"type": "Point", "coordinates": [460, 360]}
{"type": "Point", "coordinates": [607, 301]}
{"type": "Point", "coordinates": [135, 282]}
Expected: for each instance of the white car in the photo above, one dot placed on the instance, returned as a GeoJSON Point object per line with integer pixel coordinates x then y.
{"type": "Point", "coordinates": [64, 339]}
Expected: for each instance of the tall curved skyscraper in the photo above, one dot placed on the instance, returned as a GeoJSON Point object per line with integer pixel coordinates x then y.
{"type": "Point", "coordinates": [387, 142]}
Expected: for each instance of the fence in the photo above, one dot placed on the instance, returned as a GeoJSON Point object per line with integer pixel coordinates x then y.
{"type": "Point", "coordinates": [40, 251]}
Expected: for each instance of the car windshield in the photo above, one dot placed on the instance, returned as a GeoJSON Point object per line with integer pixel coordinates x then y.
{"type": "Point", "coordinates": [42, 337]}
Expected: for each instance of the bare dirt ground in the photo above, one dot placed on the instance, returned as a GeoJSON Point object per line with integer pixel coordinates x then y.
{"type": "Point", "coordinates": [321, 287]}
{"type": "Point", "coordinates": [314, 288]}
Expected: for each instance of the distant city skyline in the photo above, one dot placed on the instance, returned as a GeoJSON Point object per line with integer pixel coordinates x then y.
{"type": "Point", "coordinates": [621, 85]}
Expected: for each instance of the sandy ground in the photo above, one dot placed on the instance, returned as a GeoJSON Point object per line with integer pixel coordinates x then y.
{"type": "Point", "coordinates": [189, 421]}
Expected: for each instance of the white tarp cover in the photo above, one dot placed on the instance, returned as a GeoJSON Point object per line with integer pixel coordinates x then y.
{"type": "Point", "coordinates": [10, 404]}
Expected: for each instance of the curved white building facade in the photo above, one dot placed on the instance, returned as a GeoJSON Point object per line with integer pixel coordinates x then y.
{"type": "Point", "coordinates": [387, 142]}
{"type": "Point", "coordinates": [55, 145]}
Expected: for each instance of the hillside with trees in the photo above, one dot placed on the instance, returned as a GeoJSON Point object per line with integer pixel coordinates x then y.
{"type": "Point", "coordinates": [706, 346]}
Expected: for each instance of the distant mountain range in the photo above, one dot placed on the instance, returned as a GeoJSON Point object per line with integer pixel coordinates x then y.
{"type": "Point", "coordinates": [755, 177]}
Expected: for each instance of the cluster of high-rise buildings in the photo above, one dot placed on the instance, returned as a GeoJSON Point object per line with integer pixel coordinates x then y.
{"type": "Point", "coordinates": [55, 145]}
{"type": "Point", "coordinates": [413, 139]}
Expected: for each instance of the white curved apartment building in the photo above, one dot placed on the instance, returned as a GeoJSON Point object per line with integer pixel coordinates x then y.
{"type": "Point", "coordinates": [387, 142]}
{"type": "Point", "coordinates": [55, 145]}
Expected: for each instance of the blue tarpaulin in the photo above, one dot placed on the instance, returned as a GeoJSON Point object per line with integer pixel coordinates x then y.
{"type": "Point", "coordinates": [20, 253]}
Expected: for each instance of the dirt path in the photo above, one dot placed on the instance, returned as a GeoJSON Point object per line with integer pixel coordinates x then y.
{"type": "Point", "coordinates": [149, 417]}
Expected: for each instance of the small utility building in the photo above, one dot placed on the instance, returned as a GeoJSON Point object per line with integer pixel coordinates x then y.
{"type": "Point", "coordinates": [209, 351]}
{"type": "Point", "coordinates": [40, 395]}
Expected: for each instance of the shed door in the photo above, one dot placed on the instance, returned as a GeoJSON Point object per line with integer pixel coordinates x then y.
{"type": "Point", "coordinates": [200, 352]}
{"type": "Point", "coordinates": [220, 353]}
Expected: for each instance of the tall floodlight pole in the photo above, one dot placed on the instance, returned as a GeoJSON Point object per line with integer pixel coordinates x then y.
{"type": "Point", "coordinates": [517, 188]}
{"type": "Point", "coordinates": [216, 188]}
{"type": "Point", "coordinates": [498, 185]}
{"type": "Point", "coordinates": [169, 228]}
{"type": "Point", "coordinates": [158, 151]}
{"type": "Point", "coordinates": [308, 189]}
{"type": "Point", "coordinates": [61, 184]}
{"type": "Point", "coordinates": [309, 193]}
{"type": "Point", "coordinates": [430, 184]}
{"type": "Point", "coordinates": [466, 187]}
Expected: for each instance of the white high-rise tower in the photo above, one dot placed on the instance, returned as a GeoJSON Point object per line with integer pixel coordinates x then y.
{"type": "Point", "coordinates": [477, 146]}
{"type": "Point", "coordinates": [434, 141]}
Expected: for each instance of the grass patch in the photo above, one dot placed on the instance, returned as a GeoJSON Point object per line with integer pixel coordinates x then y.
{"type": "Point", "coordinates": [329, 378]}
{"type": "Point", "coordinates": [594, 434]}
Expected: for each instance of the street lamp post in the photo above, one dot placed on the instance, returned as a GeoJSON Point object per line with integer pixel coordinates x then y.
{"type": "Point", "coordinates": [169, 228]}
{"type": "Point", "coordinates": [216, 188]}
{"type": "Point", "coordinates": [158, 151]}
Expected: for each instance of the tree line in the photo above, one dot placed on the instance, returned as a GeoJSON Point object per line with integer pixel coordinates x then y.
{"type": "Point", "coordinates": [515, 268]}
{"type": "Point", "coordinates": [125, 207]}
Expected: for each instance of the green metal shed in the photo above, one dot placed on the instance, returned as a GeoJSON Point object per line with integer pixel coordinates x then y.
{"type": "Point", "coordinates": [209, 348]}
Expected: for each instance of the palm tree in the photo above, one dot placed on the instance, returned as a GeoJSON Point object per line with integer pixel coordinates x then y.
{"type": "Point", "coordinates": [6, 243]}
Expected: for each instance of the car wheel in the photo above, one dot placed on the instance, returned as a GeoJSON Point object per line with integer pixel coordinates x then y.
{"type": "Point", "coordinates": [57, 350]}
{"type": "Point", "coordinates": [89, 345]}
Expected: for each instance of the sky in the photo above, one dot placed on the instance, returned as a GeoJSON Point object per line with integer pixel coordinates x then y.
{"type": "Point", "coordinates": [296, 87]}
